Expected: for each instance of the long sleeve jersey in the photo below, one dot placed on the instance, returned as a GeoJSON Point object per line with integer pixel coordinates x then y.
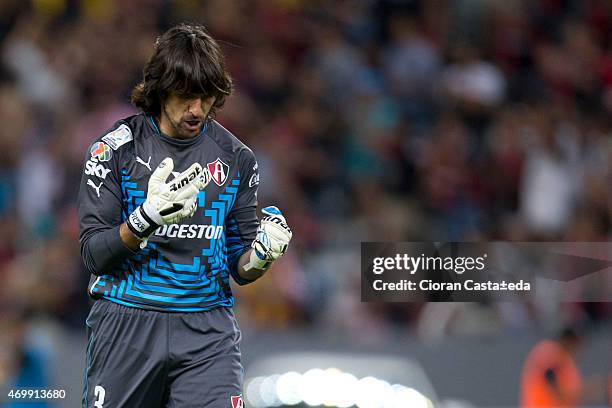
{"type": "Point", "coordinates": [186, 266]}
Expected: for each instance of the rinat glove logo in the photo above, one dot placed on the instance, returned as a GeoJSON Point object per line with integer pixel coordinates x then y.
{"type": "Point", "coordinates": [176, 184]}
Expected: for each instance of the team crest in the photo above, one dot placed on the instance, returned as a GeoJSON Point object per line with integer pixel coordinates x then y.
{"type": "Point", "coordinates": [100, 152]}
{"type": "Point", "coordinates": [237, 401]}
{"type": "Point", "coordinates": [218, 171]}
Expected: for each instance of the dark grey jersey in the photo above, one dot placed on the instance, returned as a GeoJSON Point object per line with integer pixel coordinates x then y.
{"type": "Point", "coordinates": [185, 266]}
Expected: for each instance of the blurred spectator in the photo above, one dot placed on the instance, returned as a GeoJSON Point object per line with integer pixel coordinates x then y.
{"type": "Point", "coordinates": [371, 120]}
{"type": "Point", "coordinates": [23, 364]}
{"type": "Point", "coordinates": [551, 377]}
{"type": "Point", "coordinates": [549, 182]}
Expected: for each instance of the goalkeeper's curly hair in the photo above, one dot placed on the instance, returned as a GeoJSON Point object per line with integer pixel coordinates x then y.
{"type": "Point", "coordinates": [188, 61]}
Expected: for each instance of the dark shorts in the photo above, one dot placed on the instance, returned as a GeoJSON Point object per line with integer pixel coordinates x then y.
{"type": "Point", "coordinates": [139, 358]}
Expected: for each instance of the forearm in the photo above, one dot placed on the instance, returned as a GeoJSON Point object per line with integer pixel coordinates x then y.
{"type": "Point", "coordinates": [128, 238]}
{"type": "Point", "coordinates": [106, 249]}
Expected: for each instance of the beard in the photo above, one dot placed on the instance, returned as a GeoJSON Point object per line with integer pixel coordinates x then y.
{"type": "Point", "coordinates": [187, 127]}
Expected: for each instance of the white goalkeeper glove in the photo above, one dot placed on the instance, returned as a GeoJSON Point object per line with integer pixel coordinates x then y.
{"type": "Point", "coordinates": [271, 241]}
{"type": "Point", "coordinates": [168, 202]}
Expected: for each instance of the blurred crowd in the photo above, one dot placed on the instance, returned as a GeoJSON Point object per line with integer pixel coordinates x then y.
{"type": "Point", "coordinates": [371, 120]}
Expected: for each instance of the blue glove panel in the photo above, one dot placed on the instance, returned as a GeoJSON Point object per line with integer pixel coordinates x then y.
{"type": "Point", "coordinates": [271, 210]}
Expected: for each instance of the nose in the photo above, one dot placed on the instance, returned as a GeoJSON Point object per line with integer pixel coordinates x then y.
{"type": "Point", "coordinates": [195, 107]}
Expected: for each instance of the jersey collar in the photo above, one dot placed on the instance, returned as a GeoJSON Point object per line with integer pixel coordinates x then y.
{"type": "Point", "coordinates": [173, 140]}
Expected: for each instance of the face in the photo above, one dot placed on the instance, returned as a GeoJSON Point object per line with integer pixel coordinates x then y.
{"type": "Point", "coordinates": [182, 116]}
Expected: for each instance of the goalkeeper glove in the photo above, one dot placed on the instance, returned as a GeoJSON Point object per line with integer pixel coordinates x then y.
{"type": "Point", "coordinates": [167, 203]}
{"type": "Point", "coordinates": [271, 241]}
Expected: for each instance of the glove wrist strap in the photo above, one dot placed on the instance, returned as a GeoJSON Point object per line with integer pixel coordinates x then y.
{"type": "Point", "coordinates": [141, 224]}
{"type": "Point", "coordinates": [255, 262]}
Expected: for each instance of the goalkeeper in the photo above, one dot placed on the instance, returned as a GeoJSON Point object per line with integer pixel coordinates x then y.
{"type": "Point", "coordinates": [167, 212]}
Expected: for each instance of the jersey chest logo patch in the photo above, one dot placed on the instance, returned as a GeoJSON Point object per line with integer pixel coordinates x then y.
{"type": "Point", "coordinates": [219, 171]}
{"type": "Point", "coordinates": [100, 152]}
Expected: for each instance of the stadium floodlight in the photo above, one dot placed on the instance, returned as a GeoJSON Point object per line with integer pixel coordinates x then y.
{"type": "Point", "coordinates": [310, 388]}
{"type": "Point", "coordinates": [287, 388]}
{"type": "Point", "coordinates": [337, 381]}
{"type": "Point", "coordinates": [252, 392]}
{"type": "Point", "coordinates": [331, 388]}
{"type": "Point", "coordinates": [346, 386]}
{"type": "Point", "coordinates": [408, 397]}
{"type": "Point", "coordinates": [267, 391]}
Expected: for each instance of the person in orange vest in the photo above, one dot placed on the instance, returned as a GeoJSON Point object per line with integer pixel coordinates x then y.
{"type": "Point", "coordinates": [550, 375]}
{"type": "Point", "coordinates": [610, 388]}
